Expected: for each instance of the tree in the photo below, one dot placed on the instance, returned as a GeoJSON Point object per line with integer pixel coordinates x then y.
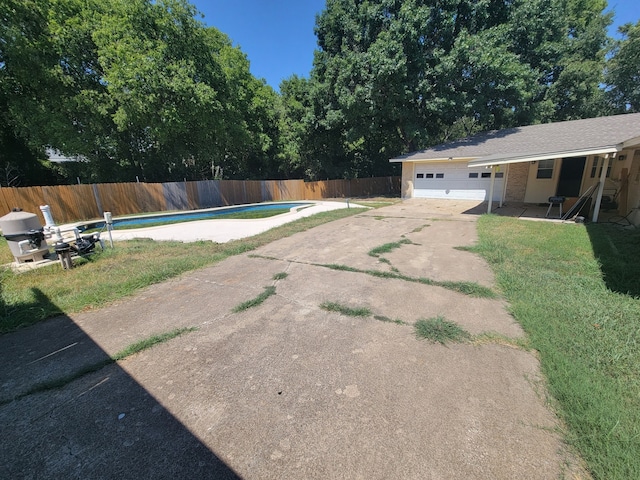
{"type": "Point", "coordinates": [576, 91]}
{"type": "Point", "coordinates": [138, 87]}
{"type": "Point", "coordinates": [623, 71]}
{"type": "Point", "coordinates": [295, 160]}
{"type": "Point", "coordinates": [395, 76]}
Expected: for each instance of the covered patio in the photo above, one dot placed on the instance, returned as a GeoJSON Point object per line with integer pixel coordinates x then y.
{"type": "Point", "coordinates": [590, 168]}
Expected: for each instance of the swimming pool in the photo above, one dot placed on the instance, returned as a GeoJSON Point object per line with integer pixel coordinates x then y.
{"type": "Point", "coordinates": [194, 214]}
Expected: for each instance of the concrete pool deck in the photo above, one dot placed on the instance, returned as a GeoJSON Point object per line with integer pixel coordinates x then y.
{"type": "Point", "coordinates": [221, 230]}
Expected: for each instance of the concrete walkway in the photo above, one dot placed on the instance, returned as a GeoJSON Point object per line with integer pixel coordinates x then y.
{"type": "Point", "coordinates": [287, 389]}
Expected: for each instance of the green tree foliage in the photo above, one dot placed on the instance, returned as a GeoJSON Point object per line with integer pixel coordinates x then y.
{"type": "Point", "coordinates": [295, 104]}
{"type": "Point", "coordinates": [141, 88]}
{"type": "Point", "coordinates": [394, 76]}
{"type": "Point", "coordinates": [623, 71]}
{"type": "Point", "coordinates": [576, 91]}
{"type": "Point", "coordinates": [137, 87]}
{"type": "Point", "coordinates": [23, 52]}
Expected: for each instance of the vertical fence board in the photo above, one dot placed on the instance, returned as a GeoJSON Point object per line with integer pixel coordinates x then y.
{"type": "Point", "coordinates": [70, 203]}
{"type": "Point", "coordinates": [175, 195]}
{"type": "Point", "coordinates": [118, 198]}
{"type": "Point", "coordinates": [130, 192]}
{"type": "Point", "coordinates": [232, 192]}
{"type": "Point", "coordinates": [193, 199]}
{"type": "Point", "coordinates": [4, 205]}
{"type": "Point", "coordinates": [209, 193]}
{"type": "Point", "coordinates": [150, 197]}
{"type": "Point", "coordinates": [253, 191]}
{"type": "Point", "coordinates": [9, 199]}
{"type": "Point", "coordinates": [313, 190]}
{"type": "Point", "coordinates": [85, 202]}
{"type": "Point", "coordinates": [28, 199]}
{"type": "Point", "coordinates": [266, 189]}
{"type": "Point", "coordinates": [290, 189]}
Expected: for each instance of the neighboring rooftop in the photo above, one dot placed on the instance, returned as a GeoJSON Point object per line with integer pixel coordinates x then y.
{"type": "Point", "coordinates": [57, 156]}
{"type": "Point", "coordinates": [592, 135]}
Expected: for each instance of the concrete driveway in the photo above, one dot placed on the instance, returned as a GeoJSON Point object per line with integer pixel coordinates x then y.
{"type": "Point", "coordinates": [287, 389]}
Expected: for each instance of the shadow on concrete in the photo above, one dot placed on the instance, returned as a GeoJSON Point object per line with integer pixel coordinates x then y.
{"type": "Point", "coordinates": [616, 248]}
{"type": "Point", "coordinates": [101, 424]}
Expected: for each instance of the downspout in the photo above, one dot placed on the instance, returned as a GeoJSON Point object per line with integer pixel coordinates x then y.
{"type": "Point", "coordinates": [603, 177]}
{"type": "Point", "coordinates": [491, 188]}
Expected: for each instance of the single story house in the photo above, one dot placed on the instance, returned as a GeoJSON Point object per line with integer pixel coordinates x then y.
{"type": "Point", "coordinates": [530, 164]}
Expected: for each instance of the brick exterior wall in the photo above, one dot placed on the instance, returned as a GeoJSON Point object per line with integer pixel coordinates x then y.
{"type": "Point", "coordinates": [517, 182]}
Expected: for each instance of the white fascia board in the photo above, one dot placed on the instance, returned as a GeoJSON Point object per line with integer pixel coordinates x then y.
{"type": "Point", "coordinates": [504, 159]}
{"type": "Point", "coordinates": [434, 160]}
{"type": "Point", "coordinates": [632, 142]}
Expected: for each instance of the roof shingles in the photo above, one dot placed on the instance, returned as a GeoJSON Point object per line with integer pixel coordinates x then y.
{"type": "Point", "coordinates": [542, 139]}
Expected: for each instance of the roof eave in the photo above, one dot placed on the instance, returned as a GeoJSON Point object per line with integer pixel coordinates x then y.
{"type": "Point", "coordinates": [433, 160]}
{"type": "Point", "coordinates": [533, 157]}
{"type": "Point", "coordinates": [632, 142]}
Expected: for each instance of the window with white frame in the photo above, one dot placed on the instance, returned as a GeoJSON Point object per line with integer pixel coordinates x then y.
{"type": "Point", "coordinates": [545, 169]}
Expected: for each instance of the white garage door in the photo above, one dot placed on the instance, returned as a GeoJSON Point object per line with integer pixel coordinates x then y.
{"type": "Point", "coordinates": [455, 181]}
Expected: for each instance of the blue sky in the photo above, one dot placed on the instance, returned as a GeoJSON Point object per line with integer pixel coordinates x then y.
{"type": "Point", "coordinates": [276, 35]}
{"type": "Point", "coordinates": [278, 38]}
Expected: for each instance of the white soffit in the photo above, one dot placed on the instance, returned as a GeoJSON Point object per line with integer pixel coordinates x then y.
{"type": "Point", "coordinates": [503, 159]}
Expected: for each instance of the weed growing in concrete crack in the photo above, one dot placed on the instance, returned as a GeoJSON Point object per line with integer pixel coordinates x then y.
{"type": "Point", "coordinates": [467, 288]}
{"type": "Point", "coordinates": [440, 330]}
{"type": "Point", "coordinates": [379, 274]}
{"type": "Point", "coordinates": [397, 321]}
{"type": "Point", "coordinates": [344, 310]}
{"type": "Point", "coordinates": [466, 248]}
{"type": "Point", "coordinates": [388, 247]}
{"type": "Point", "coordinates": [254, 302]}
{"type": "Point", "coordinates": [150, 342]}
{"type": "Point", "coordinates": [264, 257]}
{"type": "Point", "coordinates": [132, 349]}
{"type": "Point", "coordinates": [420, 228]}
{"type": "Point", "coordinates": [280, 276]}
{"type": "Point", "coordinates": [499, 339]}
{"type": "Point", "coordinates": [343, 268]}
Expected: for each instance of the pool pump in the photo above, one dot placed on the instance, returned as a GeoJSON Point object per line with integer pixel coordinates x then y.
{"type": "Point", "coordinates": [27, 239]}
{"type": "Point", "coordinates": [25, 236]}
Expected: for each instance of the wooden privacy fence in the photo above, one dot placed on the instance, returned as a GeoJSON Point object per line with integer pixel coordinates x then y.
{"type": "Point", "coordinates": [70, 203]}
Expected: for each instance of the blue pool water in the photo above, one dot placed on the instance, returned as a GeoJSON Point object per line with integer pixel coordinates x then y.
{"type": "Point", "coordinates": [195, 215]}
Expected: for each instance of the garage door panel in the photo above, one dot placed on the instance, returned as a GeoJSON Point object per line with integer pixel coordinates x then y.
{"type": "Point", "coordinates": [455, 183]}
{"type": "Point", "coordinates": [479, 195]}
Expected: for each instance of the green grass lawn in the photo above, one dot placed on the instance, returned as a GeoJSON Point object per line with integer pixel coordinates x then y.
{"type": "Point", "coordinates": [106, 276]}
{"type": "Point", "coordinates": [575, 290]}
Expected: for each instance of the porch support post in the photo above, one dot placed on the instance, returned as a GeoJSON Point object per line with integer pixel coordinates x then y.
{"type": "Point", "coordinates": [491, 188]}
{"type": "Point", "coordinates": [505, 177]}
{"type": "Point", "coordinates": [603, 177]}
